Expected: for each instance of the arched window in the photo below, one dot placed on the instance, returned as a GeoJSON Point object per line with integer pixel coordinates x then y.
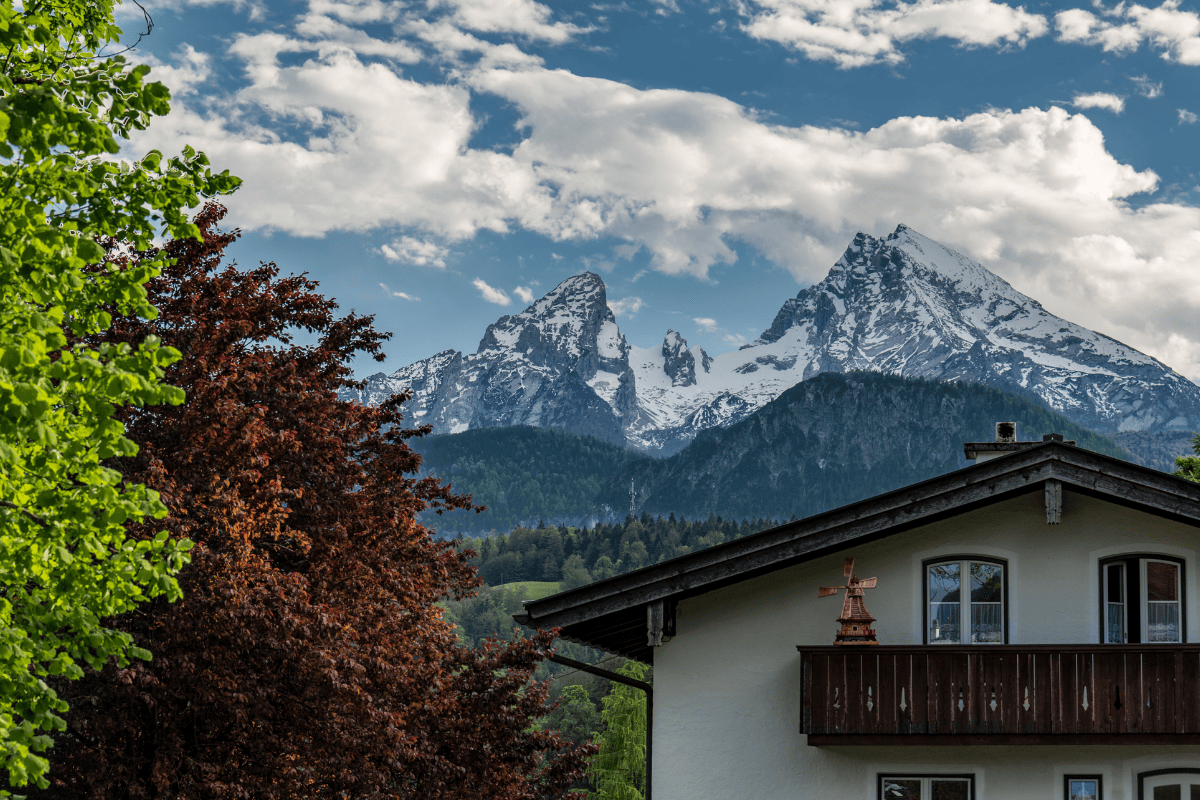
{"type": "Point", "coordinates": [1169, 784]}
{"type": "Point", "coordinates": [1142, 600]}
{"type": "Point", "coordinates": [965, 600]}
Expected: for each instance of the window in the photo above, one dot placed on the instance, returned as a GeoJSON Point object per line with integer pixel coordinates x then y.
{"type": "Point", "coordinates": [926, 787]}
{"type": "Point", "coordinates": [1169, 784]}
{"type": "Point", "coordinates": [1142, 599]}
{"type": "Point", "coordinates": [1082, 787]}
{"type": "Point", "coordinates": [976, 616]}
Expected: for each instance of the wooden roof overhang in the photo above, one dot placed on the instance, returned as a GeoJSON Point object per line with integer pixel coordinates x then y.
{"type": "Point", "coordinates": [612, 614]}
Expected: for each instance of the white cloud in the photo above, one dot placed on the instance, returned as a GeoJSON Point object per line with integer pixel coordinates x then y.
{"type": "Point", "coordinates": [626, 306]}
{"type": "Point", "coordinates": [1173, 32]}
{"type": "Point", "coordinates": [1187, 117]}
{"type": "Point", "coordinates": [1147, 87]}
{"type": "Point", "coordinates": [1112, 102]}
{"type": "Point", "coordinates": [854, 33]}
{"type": "Point", "coordinates": [525, 293]}
{"type": "Point", "coordinates": [490, 294]}
{"type": "Point", "coordinates": [522, 17]}
{"type": "Point", "coordinates": [190, 69]}
{"type": "Point", "coordinates": [706, 324]}
{"type": "Point", "coordinates": [127, 12]}
{"type": "Point", "coordinates": [338, 144]}
{"type": "Point", "coordinates": [401, 295]}
{"type": "Point", "coordinates": [416, 251]}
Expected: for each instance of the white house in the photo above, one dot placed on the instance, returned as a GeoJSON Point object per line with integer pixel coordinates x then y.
{"type": "Point", "coordinates": [1069, 669]}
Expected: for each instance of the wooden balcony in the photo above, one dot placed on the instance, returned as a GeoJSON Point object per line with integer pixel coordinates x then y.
{"type": "Point", "coordinates": [1001, 694]}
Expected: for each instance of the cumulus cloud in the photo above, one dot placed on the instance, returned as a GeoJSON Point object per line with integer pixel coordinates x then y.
{"type": "Point", "coordinates": [1126, 26]}
{"type": "Point", "coordinates": [1187, 117]}
{"type": "Point", "coordinates": [855, 33]}
{"type": "Point", "coordinates": [706, 324]}
{"type": "Point", "coordinates": [492, 295]}
{"type": "Point", "coordinates": [626, 306]}
{"type": "Point", "coordinates": [134, 12]}
{"type": "Point", "coordinates": [365, 147]}
{"type": "Point", "coordinates": [523, 17]}
{"type": "Point", "coordinates": [1112, 102]}
{"type": "Point", "coordinates": [525, 293]}
{"type": "Point", "coordinates": [411, 250]}
{"type": "Point", "coordinates": [401, 295]}
{"type": "Point", "coordinates": [1147, 87]}
{"type": "Point", "coordinates": [190, 68]}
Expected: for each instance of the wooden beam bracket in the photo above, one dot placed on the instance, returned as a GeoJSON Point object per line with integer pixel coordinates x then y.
{"type": "Point", "coordinates": [660, 622]}
{"type": "Point", "coordinates": [1053, 501]}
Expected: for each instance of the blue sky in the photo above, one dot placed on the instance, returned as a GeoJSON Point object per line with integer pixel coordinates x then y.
{"type": "Point", "coordinates": [438, 163]}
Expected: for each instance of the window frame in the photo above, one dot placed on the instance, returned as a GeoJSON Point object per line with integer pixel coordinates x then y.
{"type": "Point", "coordinates": [1004, 592]}
{"type": "Point", "coordinates": [1099, 779]}
{"type": "Point", "coordinates": [968, 776]}
{"type": "Point", "coordinates": [1135, 567]}
{"type": "Point", "coordinates": [1154, 773]}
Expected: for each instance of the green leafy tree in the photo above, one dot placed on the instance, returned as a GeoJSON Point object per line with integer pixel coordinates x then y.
{"type": "Point", "coordinates": [618, 771]}
{"type": "Point", "coordinates": [1189, 466]}
{"type": "Point", "coordinates": [574, 573]}
{"type": "Point", "coordinates": [575, 717]}
{"type": "Point", "coordinates": [65, 562]}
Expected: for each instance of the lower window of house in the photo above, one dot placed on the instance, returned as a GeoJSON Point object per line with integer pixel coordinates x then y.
{"type": "Point", "coordinates": [1166, 784]}
{"type": "Point", "coordinates": [926, 787]}
{"type": "Point", "coordinates": [1083, 787]}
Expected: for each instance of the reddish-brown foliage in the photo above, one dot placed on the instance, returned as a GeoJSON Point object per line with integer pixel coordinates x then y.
{"type": "Point", "coordinates": [308, 658]}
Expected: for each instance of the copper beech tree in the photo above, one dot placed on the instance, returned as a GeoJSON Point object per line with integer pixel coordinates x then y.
{"type": "Point", "coordinates": [307, 658]}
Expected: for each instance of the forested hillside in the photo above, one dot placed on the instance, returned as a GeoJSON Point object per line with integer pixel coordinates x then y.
{"type": "Point", "coordinates": [523, 475]}
{"type": "Point", "coordinates": [833, 440]}
{"type": "Point", "coordinates": [576, 556]}
{"type": "Point", "coordinates": [828, 441]}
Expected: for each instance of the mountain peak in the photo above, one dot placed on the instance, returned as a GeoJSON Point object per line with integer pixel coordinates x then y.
{"type": "Point", "coordinates": [566, 319]}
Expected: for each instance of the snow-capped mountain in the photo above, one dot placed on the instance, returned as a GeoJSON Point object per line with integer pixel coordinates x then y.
{"type": "Point", "coordinates": [561, 363]}
{"type": "Point", "coordinates": [903, 304]}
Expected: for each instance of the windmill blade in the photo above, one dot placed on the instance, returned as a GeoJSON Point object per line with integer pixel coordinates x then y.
{"type": "Point", "coordinates": [849, 568]}
{"type": "Point", "coordinates": [869, 583]}
{"type": "Point", "coordinates": [825, 591]}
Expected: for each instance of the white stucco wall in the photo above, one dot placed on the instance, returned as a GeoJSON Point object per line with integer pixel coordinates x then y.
{"type": "Point", "coordinates": [726, 706]}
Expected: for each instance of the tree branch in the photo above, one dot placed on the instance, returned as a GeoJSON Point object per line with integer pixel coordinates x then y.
{"type": "Point", "coordinates": [30, 514]}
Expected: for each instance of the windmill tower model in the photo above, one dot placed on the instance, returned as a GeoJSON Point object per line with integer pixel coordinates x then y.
{"type": "Point", "coordinates": [856, 620]}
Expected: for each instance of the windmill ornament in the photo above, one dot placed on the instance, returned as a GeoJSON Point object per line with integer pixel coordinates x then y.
{"type": "Point", "coordinates": [856, 620]}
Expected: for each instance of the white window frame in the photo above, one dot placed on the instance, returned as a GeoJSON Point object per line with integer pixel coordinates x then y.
{"type": "Point", "coordinates": [964, 597]}
{"type": "Point", "coordinates": [1143, 596]}
{"type": "Point", "coordinates": [926, 780]}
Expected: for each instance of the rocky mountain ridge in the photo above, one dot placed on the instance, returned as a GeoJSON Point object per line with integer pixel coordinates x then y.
{"type": "Point", "coordinates": [903, 304]}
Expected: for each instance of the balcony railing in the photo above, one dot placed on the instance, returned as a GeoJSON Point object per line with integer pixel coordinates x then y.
{"type": "Point", "coordinates": [1001, 694]}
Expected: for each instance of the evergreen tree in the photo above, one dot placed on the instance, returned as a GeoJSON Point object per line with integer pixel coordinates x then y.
{"type": "Point", "coordinates": [1189, 466]}
{"type": "Point", "coordinates": [618, 771]}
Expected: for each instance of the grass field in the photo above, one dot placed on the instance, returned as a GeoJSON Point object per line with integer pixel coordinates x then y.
{"type": "Point", "coordinates": [532, 590]}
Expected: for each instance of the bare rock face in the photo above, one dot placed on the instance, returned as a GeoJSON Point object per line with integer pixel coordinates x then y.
{"type": "Point", "coordinates": [679, 362]}
{"type": "Point", "coordinates": [903, 304]}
